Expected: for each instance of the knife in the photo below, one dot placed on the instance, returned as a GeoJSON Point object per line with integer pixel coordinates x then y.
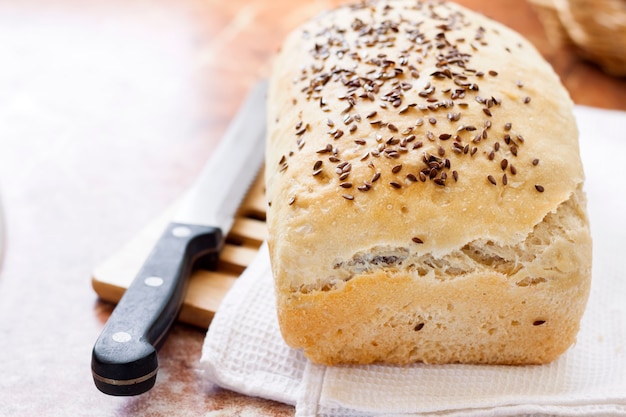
{"type": "Point", "coordinates": [124, 359]}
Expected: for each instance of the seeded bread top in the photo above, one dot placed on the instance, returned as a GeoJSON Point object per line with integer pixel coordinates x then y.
{"type": "Point", "coordinates": [410, 124]}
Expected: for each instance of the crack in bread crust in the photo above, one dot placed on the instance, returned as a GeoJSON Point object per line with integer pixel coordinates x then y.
{"type": "Point", "coordinates": [477, 256]}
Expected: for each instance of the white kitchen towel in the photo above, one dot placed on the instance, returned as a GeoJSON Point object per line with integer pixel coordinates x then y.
{"type": "Point", "coordinates": [245, 352]}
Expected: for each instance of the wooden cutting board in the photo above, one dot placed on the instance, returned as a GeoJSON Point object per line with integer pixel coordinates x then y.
{"type": "Point", "coordinates": [206, 288]}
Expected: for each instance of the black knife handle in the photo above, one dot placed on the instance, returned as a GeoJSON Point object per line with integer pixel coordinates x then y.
{"type": "Point", "coordinates": [124, 359]}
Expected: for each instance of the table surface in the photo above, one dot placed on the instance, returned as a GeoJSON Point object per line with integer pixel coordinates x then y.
{"type": "Point", "coordinates": [108, 110]}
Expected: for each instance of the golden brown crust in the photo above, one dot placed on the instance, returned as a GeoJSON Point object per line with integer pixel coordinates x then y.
{"type": "Point", "coordinates": [410, 325]}
{"type": "Point", "coordinates": [418, 148]}
{"type": "Point", "coordinates": [480, 317]}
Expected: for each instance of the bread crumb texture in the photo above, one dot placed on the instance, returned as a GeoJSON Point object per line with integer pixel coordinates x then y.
{"type": "Point", "coordinates": [425, 190]}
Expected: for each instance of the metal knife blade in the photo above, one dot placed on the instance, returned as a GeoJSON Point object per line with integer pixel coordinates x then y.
{"type": "Point", "coordinates": [124, 358]}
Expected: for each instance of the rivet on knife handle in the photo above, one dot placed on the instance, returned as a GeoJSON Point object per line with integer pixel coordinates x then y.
{"type": "Point", "coordinates": [124, 360]}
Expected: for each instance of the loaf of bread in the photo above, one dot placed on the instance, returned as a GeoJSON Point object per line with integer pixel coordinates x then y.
{"type": "Point", "coordinates": [425, 191]}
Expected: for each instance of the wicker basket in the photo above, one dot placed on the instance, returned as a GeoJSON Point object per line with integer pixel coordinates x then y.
{"type": "Point", "coordinates": [597, 28]}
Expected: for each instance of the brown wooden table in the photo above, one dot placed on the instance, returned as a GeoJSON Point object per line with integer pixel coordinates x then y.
{"type": "Point", "coordinates": [108, 110]}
